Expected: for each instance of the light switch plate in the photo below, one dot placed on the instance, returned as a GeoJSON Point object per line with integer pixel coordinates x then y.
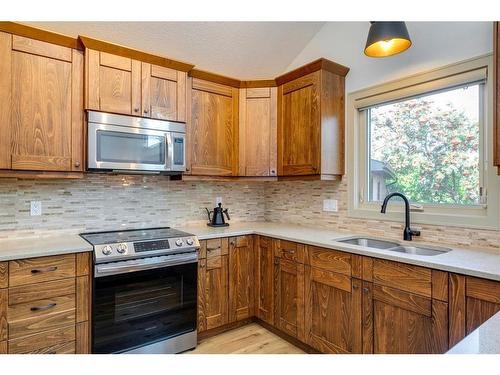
{"type": "Point", "coordinates": [36, 208]}
{"type": "Point", "coordinates": [330, 205]}
{"type": "Point", "coordinates": [218, 200]}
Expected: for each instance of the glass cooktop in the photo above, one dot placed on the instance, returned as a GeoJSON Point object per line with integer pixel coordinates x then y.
{"type": "Point", "coordinates": [132, 235]}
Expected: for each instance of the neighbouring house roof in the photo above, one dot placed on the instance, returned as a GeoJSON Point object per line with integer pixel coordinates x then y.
{"type": "Point", "coordinates": [380, 167]}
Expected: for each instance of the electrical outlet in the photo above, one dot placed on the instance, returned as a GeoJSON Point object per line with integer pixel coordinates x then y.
{"type": "Point", "coordinates": [330, 205]}
{"type": "Point", "coordinates": [218, 200]}
{"type": "Point", "coordinates": [36, 208]}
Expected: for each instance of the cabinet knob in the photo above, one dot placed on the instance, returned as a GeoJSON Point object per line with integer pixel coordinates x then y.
{"type": "Point", "coordinates": [355, 287]}
{"type": "Point", "coordinates": [136, 110]}
{"type": "Point", "coordinates": [187, 169]}
{"type": "Point", "coordinates": [77, 164]}
{"type": "Point", "coordinates": [276, 260]}
{"type": "Point", "coordinates": [145, 111]}
{"type": "Point", "coordinates": [366, 290]}
{"type": "Point", "coordinates": [273, 172]}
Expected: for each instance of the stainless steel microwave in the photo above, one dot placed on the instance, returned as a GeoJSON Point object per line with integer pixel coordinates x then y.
{"type": "Point", "coordinates": [135, 144]}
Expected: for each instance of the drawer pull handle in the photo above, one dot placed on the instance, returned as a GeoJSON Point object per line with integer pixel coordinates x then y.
{"type": "Point", "coordinates": [42, 308]}
{"type": "Point", "coordinates": [289, 251]}
{"type": "Point", "coordinates": [213, 248]}
{"type": "Point", "coordinates": [40, 270]}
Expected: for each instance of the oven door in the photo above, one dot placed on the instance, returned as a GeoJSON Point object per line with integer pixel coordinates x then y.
{"type": "Point", "coordinates": [128, 148]}
{"type": "Point", "coordinates": [138, 308]}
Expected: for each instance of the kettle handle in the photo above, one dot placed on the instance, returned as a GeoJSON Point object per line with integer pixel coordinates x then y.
{"type": "Point", "coordinates": [227, 214]}
{"type": "Point", "coordinates": [208, 213]}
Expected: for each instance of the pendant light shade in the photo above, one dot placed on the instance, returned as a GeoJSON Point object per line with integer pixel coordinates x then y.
{"type": "Point", "coordinates": [387, 39]}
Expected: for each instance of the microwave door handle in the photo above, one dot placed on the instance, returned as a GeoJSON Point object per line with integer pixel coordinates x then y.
{"type": "Point", "coordinates": [169, 152]}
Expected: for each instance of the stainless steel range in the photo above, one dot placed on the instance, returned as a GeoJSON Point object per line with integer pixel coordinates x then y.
{"type": "Point", "coordinates": [145, 291]}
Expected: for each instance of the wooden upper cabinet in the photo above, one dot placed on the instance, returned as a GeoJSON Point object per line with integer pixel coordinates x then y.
{"type": "Point", "coordinates": [212, 129]}
{"type": "Point", "coordinates": [41, 105]}
{"type": "Point", "coordinates": [299, 131]}
{"type": "Point", "coordinates": [127, 86]}
{"type": "Point", "coordinates": [163, 93]}
{"type": "Point", "coordinates": [241, 278]}
{"type": "Point", "coordinates": [113, 83]}
{"type": "Point", "coordinates": [311, 120]}
{"type": "Point", "coordinates": [496, 95]}
{"type": "Point", "coordinates": [257, 134]}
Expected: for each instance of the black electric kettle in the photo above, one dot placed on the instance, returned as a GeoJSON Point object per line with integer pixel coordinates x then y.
{"type": "Point", "coordinates": [216, 217]}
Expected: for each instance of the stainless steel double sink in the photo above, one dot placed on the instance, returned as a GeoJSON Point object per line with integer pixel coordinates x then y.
{"type": "Point", "coordinates": [394, 246]}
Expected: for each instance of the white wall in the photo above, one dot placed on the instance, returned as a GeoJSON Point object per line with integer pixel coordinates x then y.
{"type": "Point", "coordinates": [434, 44]}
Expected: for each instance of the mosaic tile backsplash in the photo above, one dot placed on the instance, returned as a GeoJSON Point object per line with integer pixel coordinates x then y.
{"type": "Point", "coordinates": [108, 202]}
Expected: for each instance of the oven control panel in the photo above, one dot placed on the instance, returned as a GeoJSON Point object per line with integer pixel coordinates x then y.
{"type": "Point", "coordinates": [129, 250]}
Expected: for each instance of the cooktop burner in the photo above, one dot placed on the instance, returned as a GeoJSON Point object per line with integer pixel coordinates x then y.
{"type": "Point", "coordinates": [132, 235]}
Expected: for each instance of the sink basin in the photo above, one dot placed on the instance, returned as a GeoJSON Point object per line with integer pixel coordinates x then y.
{"type": "Point", "coordinates": [369, 242]}
{"type": "Point", "coordinates": [420, 250]}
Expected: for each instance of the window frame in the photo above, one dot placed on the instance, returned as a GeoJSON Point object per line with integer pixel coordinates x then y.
{"type": "Point", "coordinates": [477, 216]}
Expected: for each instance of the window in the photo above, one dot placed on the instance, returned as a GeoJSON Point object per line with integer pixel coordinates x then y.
{"type": "Point", "coordinates": [427, 136]}
{"type": "Point", "coordinates": [427, 147]}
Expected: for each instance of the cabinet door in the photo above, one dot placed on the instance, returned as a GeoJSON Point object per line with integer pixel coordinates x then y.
{"type": "Point", "coordinates": [299, 145]}
{"type": "Point", "coordinates": [213, 129]}
{"type": "Point", "coordinates": [257, 134]}
{"type": "Point", "coordinates": [46, 128]}
{"type": "Point", "coordinates": [113, 83]}
{"type": "Point", "coordinates": [496, 94]}
{"type": "Point", "coordinates": [264, 295]}
{"type": "Point", "coordinates": [404, 323]}
{"type": "Point", "coordinates": [289, 297]}
{"type": "Point", "coordinates": [241, 278]}
{"type": "Point", "coordinates": [332, 311]}
{"type": "Point", "coordinates": [216, 292]}
{"type": "Point", "coordinates": [163, 93]}
{"type": "Point", "coordinates": [482, 301]}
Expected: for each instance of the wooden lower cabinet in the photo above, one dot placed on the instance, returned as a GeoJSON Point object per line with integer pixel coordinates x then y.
{"type": "Point", "coordinates": [264, 296]}
{"type": "Point", "coordinates": [337, 302]}
{"type": "Point", "coordinates": [241, 278]}
{"type": "Point", "coordinates": [332, 311]}
{"type": "Point", "coordinates": [45, 305]}
{"type": "Point", "coordinates": [401, 322]}
{"type": "Point", "coordinates": [472, 302]}
{"type": "Point", "coordinates": [289, 297]}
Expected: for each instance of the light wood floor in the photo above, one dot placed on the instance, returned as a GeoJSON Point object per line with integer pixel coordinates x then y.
{"type": "Point", "coordinates": [249, 339]}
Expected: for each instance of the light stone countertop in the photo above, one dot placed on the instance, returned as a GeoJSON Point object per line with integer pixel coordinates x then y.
{"type": "Point", "coordinates": [483, 340]}
{"type": "Point", "coordinates": [46, 244]}
{"type": "Point", "coordinates": [480, 263]}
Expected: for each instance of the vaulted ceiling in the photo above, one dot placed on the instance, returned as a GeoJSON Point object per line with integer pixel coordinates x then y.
{"type": "Point", "coordinates": [244, 50]}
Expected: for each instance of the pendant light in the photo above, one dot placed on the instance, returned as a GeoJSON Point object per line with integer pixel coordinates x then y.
{"type": "Point", "coordinates": [387, 39]}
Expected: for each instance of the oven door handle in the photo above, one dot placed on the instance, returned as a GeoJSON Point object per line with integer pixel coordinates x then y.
{"type": "Point", "coordinates": [140, 265]}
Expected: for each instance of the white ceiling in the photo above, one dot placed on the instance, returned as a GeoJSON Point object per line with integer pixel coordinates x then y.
{"type": "Point", "coordinates": [263, 50]}
{"type": "Point", "coordinates": [243, 50]}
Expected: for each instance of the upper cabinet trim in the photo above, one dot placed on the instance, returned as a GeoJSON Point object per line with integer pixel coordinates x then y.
{"type": "Point", "coordinates": [320, 64]}
{"type": "Point", "coordinates": [38, 34]}
{"type": "Point", "coordinates": [119, 50]}
{"type": "Point", "coordinates": [215, 78]}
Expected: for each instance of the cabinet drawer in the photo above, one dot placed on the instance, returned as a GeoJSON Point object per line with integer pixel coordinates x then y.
{"type": "Point", "coordinates": [36, 316]}
{"type": "Point", "coordinates": [57, 340]}
{"type": "Point", "coordinates": [406, 277]}
{"type": "Point", "coordinates": [331, 260]}
{"type": "Point", "coordinates": [35, 270]}
{"type": "Point", "coordinates": [289, 250]}
{"type": "Point", "coordinates": [217, 247]}
{"type": "Point", "coordinates": [47, 290]}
